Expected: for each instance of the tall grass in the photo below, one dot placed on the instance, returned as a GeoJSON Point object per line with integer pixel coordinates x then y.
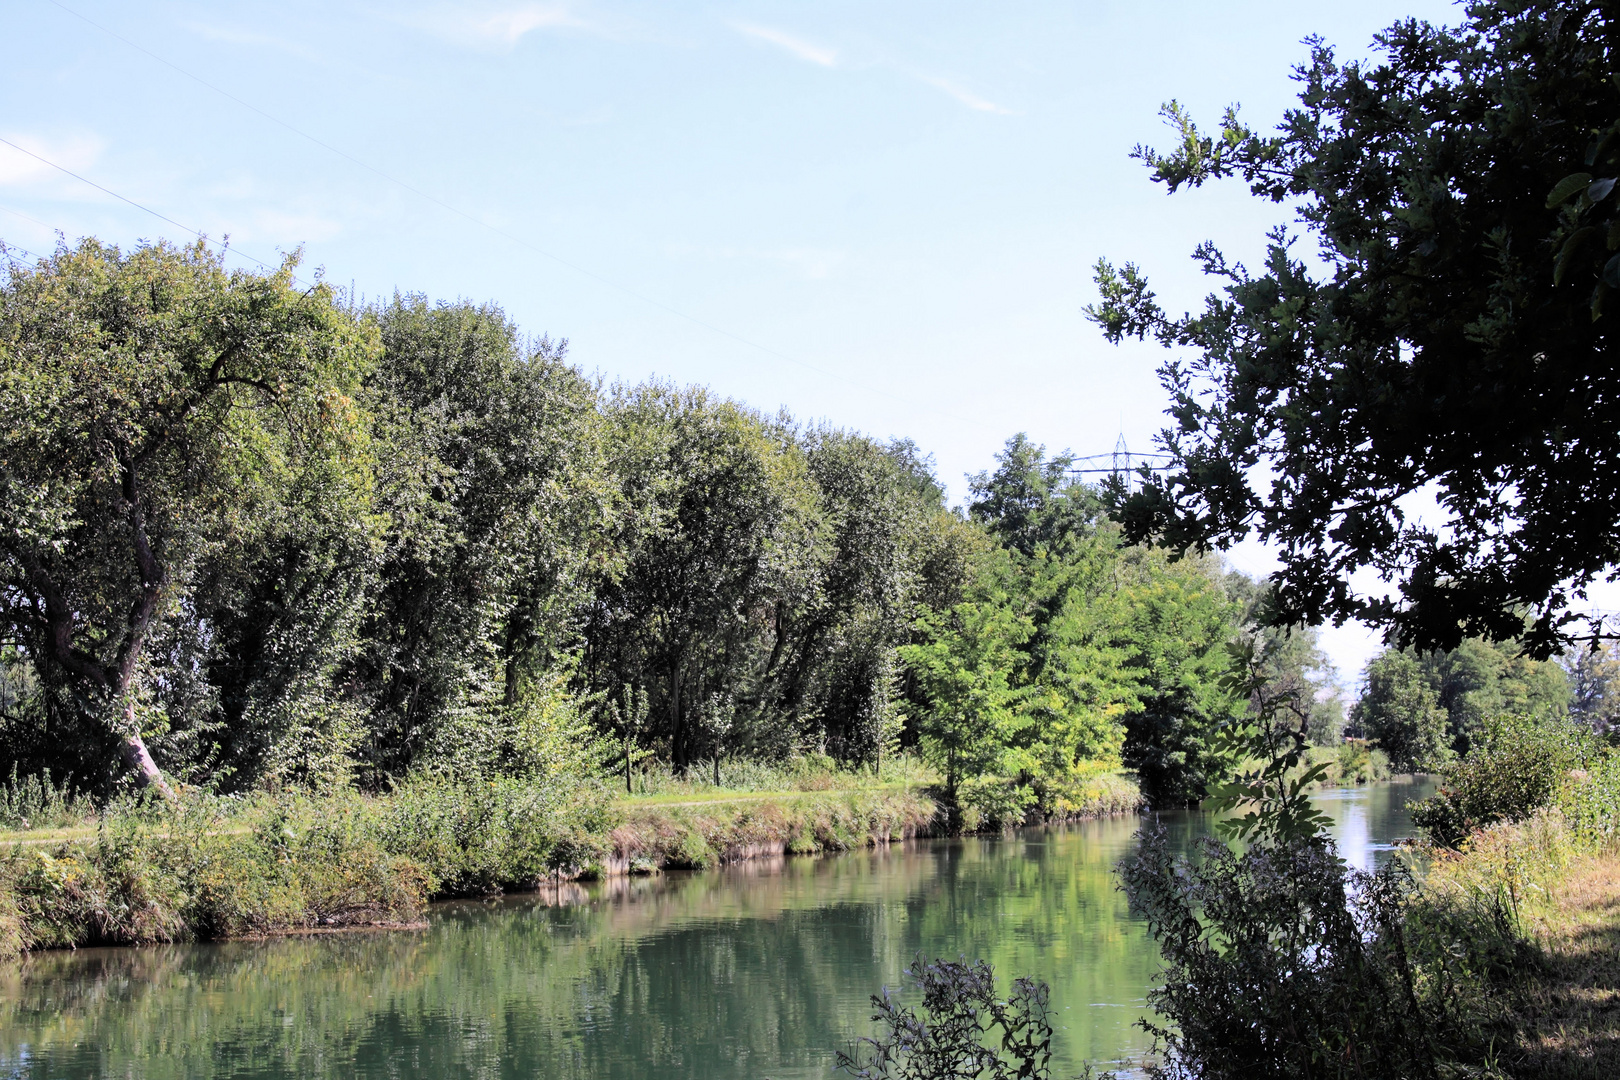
{"type": "Point", "coordinates": [212, 867]}
{"type": "Point", "coordinates": [37, 802]}
{"type": "Point", "coordinates": [1518, 922]}
{"type": "Point", "coordinates": [809, 772]}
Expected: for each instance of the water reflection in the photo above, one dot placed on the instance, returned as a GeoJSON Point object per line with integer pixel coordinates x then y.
{"type": "Point", "coordinates": [757, 970]}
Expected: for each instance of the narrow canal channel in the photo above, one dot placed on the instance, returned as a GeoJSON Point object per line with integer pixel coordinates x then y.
{"type": "Point", "coordinates": [758, 970]}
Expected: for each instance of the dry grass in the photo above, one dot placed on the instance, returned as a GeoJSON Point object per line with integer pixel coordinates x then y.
{"type": "Point", "coordinates": [1545, 988]}
{"type": "Point", "coordinates": [1568, 1011]}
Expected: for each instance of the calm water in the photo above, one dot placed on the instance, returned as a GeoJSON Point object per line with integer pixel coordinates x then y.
{"type": "Point", "coordinates": [757, 971]}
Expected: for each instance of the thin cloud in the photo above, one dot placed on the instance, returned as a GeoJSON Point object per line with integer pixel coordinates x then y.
{"type": "Point", "coordinates": [966, 97]}
{"type": "Point", "coordinates": [512, 25]}
{"type": "Point", "coordinates": [804, 50]}
{"type": "Point", "coordinates": [76, 152]}
{"type": "Point", "coordinates": [233, 36]}
{"type": "Point", "coordinates": [486, 25]}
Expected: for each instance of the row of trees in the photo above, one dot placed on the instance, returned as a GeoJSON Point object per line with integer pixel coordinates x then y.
{"type": "Point", "coordinates": [253, 533]}
{"type": "Point", "coordinates": [1429, 709]}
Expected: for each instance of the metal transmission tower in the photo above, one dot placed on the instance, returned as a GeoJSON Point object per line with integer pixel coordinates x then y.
{"type": "Point", "coordinates": [1121, 463]}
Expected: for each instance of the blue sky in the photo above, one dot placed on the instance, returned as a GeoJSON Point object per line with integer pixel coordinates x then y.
{"type": "Point", "coordinates": [882, 214]}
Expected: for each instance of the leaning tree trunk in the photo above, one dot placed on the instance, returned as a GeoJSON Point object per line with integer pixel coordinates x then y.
{"type": "Point", "coordinates": [137, 758]}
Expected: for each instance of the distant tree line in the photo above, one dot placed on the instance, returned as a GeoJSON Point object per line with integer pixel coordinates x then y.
{"type": "Point", "coordinates": [1429, 709]}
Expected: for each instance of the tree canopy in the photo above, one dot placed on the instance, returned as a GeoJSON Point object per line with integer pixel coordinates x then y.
{"type": "Point", "coordinates": [1442, 325]}
{"type": "Point", "coordinates": [255, 534]}
{"type": "Point", "coordinates": [156, 411]}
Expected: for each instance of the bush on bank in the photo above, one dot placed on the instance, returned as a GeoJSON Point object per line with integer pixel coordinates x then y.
{"type": "Point", "coordinates": [1519, 765]}
{"type": "Point", "coordinates": [1498, 960]}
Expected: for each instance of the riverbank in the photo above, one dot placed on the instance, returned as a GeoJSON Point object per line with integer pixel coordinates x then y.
{"type": "Point", "coordinates": [232, 868]}
{"type": "Point", "coordinates": [1537, 914]}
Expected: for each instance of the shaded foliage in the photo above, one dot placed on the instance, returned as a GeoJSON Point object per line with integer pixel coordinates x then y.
{"type": "Point", "coordinates": [1450, 331]}
{"type": "Point", "coordinates": [947, 1037]}
{"type": "Point", "coordinates": [1281, 963]}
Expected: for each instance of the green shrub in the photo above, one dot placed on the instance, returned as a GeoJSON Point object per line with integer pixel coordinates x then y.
{"type": "Point", "coordinates": [993, 802]}
{"type": "Point", "coordinates": [692, 852]}
{"type": "Point", "coordinates": [1516, 766]}
{"type": "Point", "coordinates": [1590, 799]}
{"type": "Point", "coordinates": [1280, 962]}
{"type": "Point", "coordinates": [478, 837]}
{"type": "Point", "coordinates": [116, 890]}
{"type": "Point", "coordinates": [1356, 762]}
{"type": "Point", "coordinates": [208, 869]}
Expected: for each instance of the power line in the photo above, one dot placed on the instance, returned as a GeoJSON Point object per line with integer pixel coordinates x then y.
{"type": "Point", "coordinates": [25, 217]}
{"type": "Point", "coordinates": [9, 248]}
{"type": "Point", "coordinates": [475, 220]}
{"type": "Point", "coordinates": [127, 199]}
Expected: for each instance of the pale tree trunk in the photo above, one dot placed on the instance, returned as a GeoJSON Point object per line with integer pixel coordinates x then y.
{"type": "Point", "coordinates": [153, 578]}
{"type": "Point", "coordinates": [132, 748]}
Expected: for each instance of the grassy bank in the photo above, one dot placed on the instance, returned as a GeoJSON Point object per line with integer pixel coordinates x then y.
{"type": "Point", "coordinates": [211, 868]}
{"type": "Point", "coordinates": [1533, 914]}
{"type": "Point", "coordinates": [1518, 921]}
{"type": "Point", "coordinates": [233, 868]}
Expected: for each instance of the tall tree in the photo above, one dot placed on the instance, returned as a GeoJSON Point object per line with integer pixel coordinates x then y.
{"type": "Point", "coordinates": [1451, 331]}
{"type": "Point", "coordinates": [718, 536]}
{"type": "Point", "coordinates": [1031, 501]}
{"type": "Point", "coordinates": [968, 665]}
{"type": "Point", "coordinates": [489, 472]}
{"type": "Point", "coordinates": [1176, 622]}
{"type": "Point", "coordinates": [1470, 686]}
{"type": "Point", "coordinates": [152, 405]}
{"type": "Point", "coordinates": [1400, 711]}
{"type": "Point", "coordinates": [1594, 684]}
{"type": "Point", "coordinates": [840, 668]}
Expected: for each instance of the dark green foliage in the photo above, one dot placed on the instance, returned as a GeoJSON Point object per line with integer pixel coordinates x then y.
{"type": "Point", "coordinates": [884, 521]}
{"type": "Point", "coordinates": [964, 1030]}
{"type": "Point", "coordinates": [1177, 627]}
{"type": "Point", "coordinates": [1031, 502]}
{"type": "Point", "coordinates": [1477, 680]}
{"type": "Point", "coordinates": [1400, 712]}
{"type": "Point", "coordinates": [491, 482]}
{"type": "Point", "coordinates": [1594, 684]}
{"type": "Point", "coordinates": [1425, 710]}
{"type": "Point", "coordinates": [1449, 330]}
{"type": "Point", "coordinates": [1281, 963]}
{"type": "Point", "coordinates": [158, 416]}
{"type": "Point", "coordinates": [1267, 752]}
{"type": "Point", "coordinates": [716, 537]}
{"type": "Point", "coordinates": [401, 545]}
{"type": "Point", "coordinates": [1070, 651]}
{"type": "Point", "coordinates": [1515, 767]}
